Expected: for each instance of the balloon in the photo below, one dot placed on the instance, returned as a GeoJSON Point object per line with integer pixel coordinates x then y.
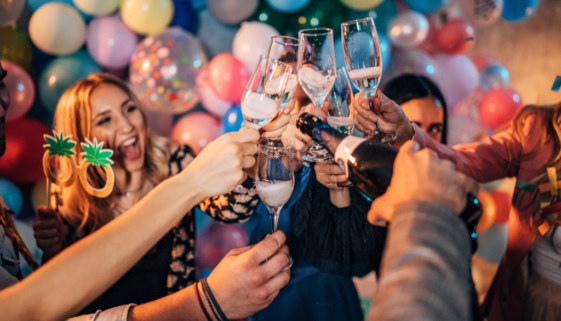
{"type": "Point", "coordinates": [97, 7]}
{"type": "Point", "coordinates": [62, 35]}
{"type": "Point", "coordinates": [489, 210]}
{"type": "Point", "coordinates": [288, 6]}
{"type": "Point", "coordinates": [213, 104]}
{"type": "Point", "coordinates": [268, 15]}
{"type": "Point", "coordinates": [62, 73]}
{"type": "Point", "coordinates": [10, 11]}
{"type": "Point", "coordinates": [110, 42]}
{"type": "Point", "coordinates": [161, 124]}
{"type": "Point", "coordinates": [382, 15]}
{"type": "Point", "coordinates": [232, 11]}
{"type": "Point", "coordinates": [164, 70]}
{"type": "Point", "coordinates": [147, 16]}
{"type": "Point", "coordinates": [411, 61]}
{"type": "Point", "coordinates": [196, 130]}
{"type": "Point", "coordinates": [482, 61]}
{"type": "Point", "coordinates": [15, 47]}
{"type": "Point", "coordinates": [408, 29]}
{"type": "Point", "coordinates": [427, 6]}
{"type": "Point", "coordinates": [385, 51]}
{"type": "Point", "coordinates": [458, 78]}
{"type": "Point", "coordinates": [11, 195]}
{"type": "Point", "coordinates": [482, 13]}
{"type": "Point", "coordinates": [252, 41]}
{"type": "Point", "coordinates": [21, 89]}
{"type": "Point", "coordinates": [464, 130]}
{"type": "Point", "coordinates": [328, 14]}
{"type": "Point", "coordinates": [494, 76]}
{"type": "Point", "coordinates": [498, 106]}
{"type": "Point", "coordinates": [23, 161]}
{"type": "Point", "coordinates": [232, 120]}
{"type": "Point", "coordinates": [216, 241]}
{"type": "Point", "coordinates": [228, 77]}
{"type": "Point", "coordinates": [36, 4]}
{"type": "Point", "coordinates": [339, 55]}
{"type": "Point", "coordinates": [361, 5]}
{"type": "Point", "coordinates": [455, 36]}
{"type": "Point", "coordinates": [185, 16]}
{"type": "Point", "coordinates": [39, 193]}
{"type": "Point", "coordinates": [216, 37]}
{"type": "Point", "coordinates": [519, 10]}
{"type": "Point", "coordinates": [430, 45]}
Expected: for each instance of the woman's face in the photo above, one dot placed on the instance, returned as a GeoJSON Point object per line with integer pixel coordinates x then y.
{"type": "Point", "coordinates": [118, 122]}
{"type": "Point", "coordinates": [427, 113]}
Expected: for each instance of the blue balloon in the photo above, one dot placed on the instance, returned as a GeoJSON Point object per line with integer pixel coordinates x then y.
{"type": "Point", "coordinates": [62, 73]}
{"type": "Point", "coordinates": [185, 16]}
{"type": "Point", "coordinates": [11, 195]}
{"type": "Point", "coordinates": [232, 120]}
{"type": "Point", "coordinates": [427, 6]}
{"type": "Point", "coordinates": [288, 6]}
{"type": "Point", "coordinates": [35, 4]}
{"type": "Point", "coordinates": [518, 10]}
{"type": "Point", "coordinates": [494, 76]}
{"type": "Point", "coordinates": [339, 56]}
{"type": "Point", "coordinates": [382, 15]}
{"type": "Point", "coordinates": [386, 50]}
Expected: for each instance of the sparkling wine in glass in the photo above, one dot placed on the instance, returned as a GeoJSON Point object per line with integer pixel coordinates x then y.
{"type": "Point", "coordinates": [316, 74]}
{"type": "Point", "coordinates": [363, 58]}
{"type": "Point", "coordinates": [285, 49]}
{"type": "Point", "coordinates": [274, 176]}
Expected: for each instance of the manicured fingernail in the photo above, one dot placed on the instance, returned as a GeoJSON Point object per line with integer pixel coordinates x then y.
{"type": "Point", "coordinates": [265, 136]}
{"type": "Point", "coordinates": [286, 111]}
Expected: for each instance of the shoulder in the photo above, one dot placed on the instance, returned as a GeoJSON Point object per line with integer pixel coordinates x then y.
{"type": "Point", "coordinates": [180, 157]}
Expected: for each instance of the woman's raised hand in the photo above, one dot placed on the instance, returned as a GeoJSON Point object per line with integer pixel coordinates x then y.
{"type": "Point", "coordinates": [50, 232]}
{"type": "Point", "coordinates": [279, 125]}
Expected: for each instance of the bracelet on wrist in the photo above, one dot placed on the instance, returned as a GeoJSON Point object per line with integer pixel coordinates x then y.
{"type": "Point", "coordinates": [201, 302]}
{"type": "Point", "coordinates": [214, 304]}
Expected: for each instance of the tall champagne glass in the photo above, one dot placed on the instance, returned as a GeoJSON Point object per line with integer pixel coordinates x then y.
{"type": "Point", "coordinates": [285, 49]}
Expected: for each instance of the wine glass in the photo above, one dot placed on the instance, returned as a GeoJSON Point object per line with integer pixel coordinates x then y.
{"type": "Point", "coordinates": [285, 49]}
{"type": "Point", "coordinates": [363, 58]}
{"type": "Point", "coordinates": [316, 74]}
{"type": "Point", "coordinates": [341, 113]}
{"type": "Point", "coordinates": [274, 176]}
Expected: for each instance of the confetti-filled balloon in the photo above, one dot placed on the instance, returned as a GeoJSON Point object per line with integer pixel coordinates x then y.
{"type": "Point", "coordinates": [147, 16]}
{"type": "Point", "coordinates": [196, 130]}
{"type": "Point", "coordinates": [15, 47]}
{"type": "Point", "coordinates": [232, 120]}
{"type": "Point", "coordinates": [482, 12]}
{"type": "Point", "coordinates": [11, 195]}
{"type": "Point", "coordinates": [164, 70]}
{"type": "Point", "coordinates": [21, 89]}
{"type": "Point", "coordinates": [110, 42]}
{"type": "Point", "coordinates": [519, 10]}
{"type": "Point", "coordinates": [498, 107]}
{"type": "Point", "coordinates": [427, 6]}
{"type": "Point", "coordinates": [252, 41]}
{"type": "Point", "coordinates": [494, 76]}
{"type": "Point", "coordinates": [455, 36]}
{"type": "Point", "coordinates": [382, 15]}
{"type": "Point", "coordinates": [408, 29]}
{"type": "Point", "coordinates": [97, 7]}
{"type": "Point", "coordinates": [458, 78]}
{"type": "Point", "coordinates": [232, 11]}
{"type": "Point", "coordinates": [228, 77]}
{"type": "Point", "coordinates": [10, 11]}
{"type": "Point", "coordinates": [361, 5]}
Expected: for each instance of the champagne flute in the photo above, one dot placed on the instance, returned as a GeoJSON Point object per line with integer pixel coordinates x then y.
{"type": "Point", "coordinates": [285, 49]}
{"type": "Point", "coordinates": [274, 176]}
{"type": "Point", "coordinates": [316, 74]}
{"type": "Point", "coordinates": [363, 58]}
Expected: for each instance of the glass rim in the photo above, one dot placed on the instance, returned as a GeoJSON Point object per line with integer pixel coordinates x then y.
{"type": "Point", "coordinates": [295, 44]}
{"type": "Point", "coordinates": [357, 20]}
{"type": "Point", "coordinates": [263, 57]}
{"type": "Point", "coordinates": [263, 141]}
{"type": "Point", "coordinates": [326, 31]}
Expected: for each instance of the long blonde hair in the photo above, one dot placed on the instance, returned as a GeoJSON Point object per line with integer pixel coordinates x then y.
{"type": "Point", "coordinates": [74, 116]}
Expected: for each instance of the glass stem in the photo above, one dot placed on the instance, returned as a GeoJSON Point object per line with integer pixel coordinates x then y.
{"type": "Point", "coordinates": [274, 211]}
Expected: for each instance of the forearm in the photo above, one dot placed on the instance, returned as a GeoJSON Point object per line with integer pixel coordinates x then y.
{"type": "Point", "coordinates": [87, 268]}
{"type": "Point", "coordinates": [182, 305]}
{"type": "Point", "coordinates": [340, 197]}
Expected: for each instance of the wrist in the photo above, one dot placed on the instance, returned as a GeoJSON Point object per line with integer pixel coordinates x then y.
{"type": "Point", "coordinates": [405, 132]}
{"type": "Point", "coordinates": [340, 197]}
{"type": "Point", "coordinates": [187, 187]}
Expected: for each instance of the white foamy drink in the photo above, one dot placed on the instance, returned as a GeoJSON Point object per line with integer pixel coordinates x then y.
{"type": "Point", "coordinates": [342, 124]}
{"type": "Point", "coordinates": [366, 78]}
{"type": "Point", "coordinates": [258, 109]}
{"type": "Point", "coordinates": [274, 194]}
{"type": "Point", "coordinates": [315, 83]}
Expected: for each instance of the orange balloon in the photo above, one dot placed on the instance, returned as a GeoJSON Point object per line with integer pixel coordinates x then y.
{"type": "Point", "coordinates": [489, 210]}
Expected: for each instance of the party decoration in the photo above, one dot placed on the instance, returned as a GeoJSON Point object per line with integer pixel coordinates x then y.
{"type": "Point", "coordinates": [39, 193]}
{"type": "Point", "coordinates": [62, 73]}
{"type": "Point", "coordinates": [36, 4]}
{"type": "Point", "coordinates": [216, 37]}
{"type": "Point", "coordinates": [430, 44]}
{"type": "Point", "coordinates": [482, 61]}
{"type": "Point", "coordinates": [15, 47]}
{"type": "Point", "coordinates": [110, 42]}
{"type": "Point", "coordinates": [327, 14]}
{"type": "Point", "coordinates": [382, 15]}
{"type": "Point", "coordinates": [164, 70]}
{"type": "Point", "coordinates": [458, 78]}
{"type": "Point", "coordinates": [228, 77]}
{"type": "Point", "coordinates": [455, 36]}
{"type": "Point", "coordinates": [232, 11]}
{"type": "Point", "coordinates": [385, 51]}
{"type": "Point", "coordinates": [252, 41]}
{"type": "Point", "coordinates": [196, 130]}
{"type": "Point", "coordinates": [408, 29]}
{"type": "Point", "coordinates": [147, 16]}
{"type": "Point", "coordinates": [185, 16]}
{"type": "Point", "coordinates": [498, 106]}
{"type": "Point", "coordinates": [288, 6]}
{"type": "Point", "coordinates": [268, 15]}
{"type": "Point", "coordinates": [482, 12]}
{"type": "Point", "coordinates": [10, 11]}
{"type": "Point", "coordinates": [361, 5]}
{"type": "Point", "coordinates": [24, 145]}
{"type": "Point", "coordinates": [21, 89]}
{"type": "Point", "coordinates": [232, 120]}
{"type": "Point", "coordinates": [494, 76]}
{"type": "Point", "coordinates": [556, 84]}
{"type": "Point", "coordinates": [11, 195]}
{"type": "Point", "coordinates": [213, 104]}
{"type": "Point", "coordinates": [519, 10]}
{"type": "Point", "coordinates": [464, 130]}
{"type": "Point", "coordinates": [216, 241]}
{"type": "Point", "coordinates": [411, 61]}
{"type": "Point", "coordinates": [427, 6]}
{"type": "Point", "coordinates": [97, 7]}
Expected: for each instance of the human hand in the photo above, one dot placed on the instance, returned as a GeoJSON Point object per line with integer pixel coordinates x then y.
{"type": "Point", "coordinates": [422, 176]}
{"type": "Point", "coordinates": [243, 283]}
{"type": "Point", "coordinates": [329, 174]}
{"type": "Point", "coordinates": [301, 141]}
{"type": "Point", "coordinates": [49, 232]}
{"type": "Point", "coordinates": [279, 124]}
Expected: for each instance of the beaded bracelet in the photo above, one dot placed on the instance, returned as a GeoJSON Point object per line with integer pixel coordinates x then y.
{"type": "Point", "coordinates": [206, 288]}
{"type": "Point", "coordinates": [201, 303]}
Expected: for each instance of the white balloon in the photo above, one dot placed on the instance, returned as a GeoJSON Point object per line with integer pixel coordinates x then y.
{"type": "Point", "coordinates": [97, 7]}
{"type": "Point", "coordinates": [252, 41]}
{"type": "Point", "coordinates": [408, 29]}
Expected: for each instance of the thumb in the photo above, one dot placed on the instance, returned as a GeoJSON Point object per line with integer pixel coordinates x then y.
{"type": "Point", "coordinates": [246, 136]}
{"type": "Point", "coordinates": [325, 107]}
{"type": "Point", "coordinates": [380, 212]}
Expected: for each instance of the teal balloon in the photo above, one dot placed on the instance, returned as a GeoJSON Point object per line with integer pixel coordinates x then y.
{"type": "Point", "coordinates": [386, 50]}
{"type": "Point", "coordinates": [268, 15]}
{"type": "Point", "coordinates": [319, 14]}
{"type": "Point", "coordinates": [339, 55]}
{"type": "Point", "coordinates": [62, 73]}
{"type": "Point", "coordinates": [232, 120]}
{"type": "Point", "coordinates": [35, 4]}
{"type": "Point", "coordinates": [382, 15]}
{"type": "Point", "coordinates": [427, 6]}
{"type": "Point", "coordinates": [11, 195]}
{"type": "Point", "coordinates": [288, 6]}
{"type": "Point", "coordinates": [519, 10]}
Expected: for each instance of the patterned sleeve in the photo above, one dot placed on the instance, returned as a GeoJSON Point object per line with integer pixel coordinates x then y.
{"type": "Point", "coordinates": [227, 208]}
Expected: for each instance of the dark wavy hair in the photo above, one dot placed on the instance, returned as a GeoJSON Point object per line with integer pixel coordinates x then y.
{"type": "Point", "coordinates": [410, 86]}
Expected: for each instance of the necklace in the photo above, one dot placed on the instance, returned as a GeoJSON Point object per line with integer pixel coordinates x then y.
{"type": "Point", "coordinates": [129, 193]}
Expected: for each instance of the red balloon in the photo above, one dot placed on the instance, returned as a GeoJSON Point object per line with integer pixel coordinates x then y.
{"type": "Point", "coordinates": [498, 106]}
{"type": "Point", "coordinates": [503, 203]}
{"type": "Point", "coordinates": [196, 130]}
{"type": "Point", "coordinates": [456, 36]}
{"type": "Point", "coordinates": [228, 77]}
{"type": "Point", "coordinates": [482, 61]}
{"type": "Point", "coordinates": [23, 160]}
{"type": "Point", "coordinates": [215, 241]}
{"type": "Point", "coordinates": [429, 45]}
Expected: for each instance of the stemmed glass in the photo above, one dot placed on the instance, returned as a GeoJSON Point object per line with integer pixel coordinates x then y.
{"type": "Point", "coordinates": [363, 58]}
{"type": "Point", "coordinates": [274, 176]}
{"type": "Point", "coordinates": [316, 74]}
{"type": "Point", "coordinates": [285, 49]}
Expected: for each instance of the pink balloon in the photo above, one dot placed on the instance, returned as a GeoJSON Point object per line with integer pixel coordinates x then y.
{"type": "Point", "coordinates": [411, 61]}
{"type": "Point", "coordinates": [110, 42]}
{"type": "Point", "coordinates": [482, 61]}
{"type": "Point", "coordinates": [458, 78]}
{"type": "Point", "coordinates": [429, 45]}
{"type": "Point", "coordinates": [456, 36]}
{"type": "Point", "coordinates": [213, 104]}
{"type": "Point", "coordinates": [215, 241]}
{"type": "Point", "coordinates": [498, 106]}
{"type": "Point", "coordinates": [196, 130]}
{"type": "Point", "coordinates": [464, 130]}
{"type": "Point", "coordinates": [21, 89]}
{"type": "Point", "coordinates": [228, 77]}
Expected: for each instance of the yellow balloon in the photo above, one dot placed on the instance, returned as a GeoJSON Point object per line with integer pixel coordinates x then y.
{"type": "Point", "coordinates": [97, 7]}
{"type": "Point", "coordinates": [362, 5]}
{"type": "Point", "coordinates": [57, 29]}
{"type": "Point", "coordinates": [147, 16]}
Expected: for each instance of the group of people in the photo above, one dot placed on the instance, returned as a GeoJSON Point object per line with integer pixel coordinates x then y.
{"type": "Point", "coordinates": [131, 256]}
